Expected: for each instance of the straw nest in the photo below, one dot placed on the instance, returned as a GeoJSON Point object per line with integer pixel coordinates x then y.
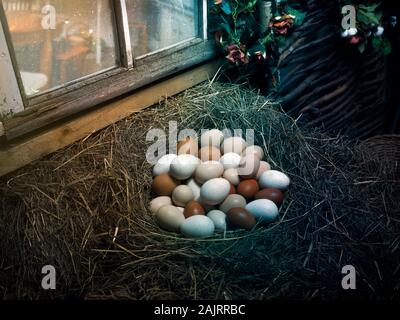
{"type": "Point", "coordinates": [85, 210]}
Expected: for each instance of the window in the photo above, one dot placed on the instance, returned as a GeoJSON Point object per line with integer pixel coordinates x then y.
{"type": "Point", "coordinates": [67, 56]}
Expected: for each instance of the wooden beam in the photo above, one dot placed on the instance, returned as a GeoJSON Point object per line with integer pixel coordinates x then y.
{"type": "Point", "coordinates": [17, 155]}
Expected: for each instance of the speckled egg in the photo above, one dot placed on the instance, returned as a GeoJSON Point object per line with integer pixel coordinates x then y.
{"type": "Point", "coordinates": [240, 218]}
{"type": "Point", "coordinates": [263, 210]}
{"type": "Point", "coordinates": [274, 179]}
{"type": "Point", "coordinates": [182, 195]}
{"type": "Point", "coordinates": [219, 219]}
{"type": "Point", "coordinates": [170, 218]}
{"type": "Point", "coordinates": [248, 188]}
{"type": "Point", "coordinates": [198, 227]}
{"type": "Point", "coordinates": [184, 166]}
{"type": "Point", "coordinates": [159, 202]}
{"type": "Point", "coordinates": [233, 144]}
{"type": "Point", "coordinates": [188, 145]}
{"type": "Point", "coordinates": [215, 191]}
{"type": "Point", "coordinates": [164, 185]}
{"type": "Point", "coordinates": [233, 201]}
{"type": "Point", "coordinates": [212, 137]}
{"type": "Point", "coordinates": [230, 160]}
{"type": "Point", "coordinates": [163, 164]}
{"type": "Point", "coordinates": [208, 170]}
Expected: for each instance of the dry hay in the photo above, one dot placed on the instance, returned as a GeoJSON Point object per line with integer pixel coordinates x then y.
{"type": "Point", "coordinates": [84, 210]}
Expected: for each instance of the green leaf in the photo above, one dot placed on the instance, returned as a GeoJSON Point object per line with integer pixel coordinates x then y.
{"type": "Point", "coordinates": [226, 7]}
{"type": "Point", "coordinates": [300, 15]}
{"type": "Point", "coordinates": [376, 42]}
{"type": "Point", "coordinates": [367, 17]}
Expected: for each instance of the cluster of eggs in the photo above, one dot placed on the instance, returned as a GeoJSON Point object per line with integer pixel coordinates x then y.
{"type": "Point", "coordinates": [224, 184]}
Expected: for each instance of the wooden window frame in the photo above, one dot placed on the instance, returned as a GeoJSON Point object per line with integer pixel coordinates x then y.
{"type": "Point", "coordinates": [49, 107]}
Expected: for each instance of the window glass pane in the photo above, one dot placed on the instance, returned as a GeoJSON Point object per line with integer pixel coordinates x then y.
{"type": "Point", "coordinates": [58, 41]}
{"type": "Point", "coordinates": [157, 24]}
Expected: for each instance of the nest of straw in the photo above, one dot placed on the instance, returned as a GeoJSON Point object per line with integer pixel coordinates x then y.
{"type": "Point", "coordinates": [85, 210]}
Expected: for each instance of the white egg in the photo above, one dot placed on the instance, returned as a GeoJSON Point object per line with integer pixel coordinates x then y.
{"type": "Point", "coordinates": [264, 166]}
{"type": "Point", "coordinates": [263, 210]}
{"type": "Point", "coordinates": [274, 179]}
{"type": "Point", "coordinates": [233, 144]}
{"type": "Point", "coordinates": [184, 166]}
{"type": "Point", "coordinates": [182, 195]}
{"type": "Point", "coordinates": [230, 160]}
{"type": "Point", "coordinates": [159, 202]}
{"type": "Point", "coordinates": [170, 218]}
{"type": "Point", "coordinates": [232, 176]}
{"type": "Point", "coordinates": [198, 227]}
{"type": "Point", "coordinates": [212, 137]}
{"type": "Point", "coordinates": [219, 219]}
{"type": "Point", "coordinates": [208, 170]}
{"type": "Point", "coordinates": [215, 191]}
{"type": "Point", "coordinates": [254, 150]}
{"type": "Point", "coordinates": [163, 164]}
{"type": "Point", "coordinates": [192, 184]}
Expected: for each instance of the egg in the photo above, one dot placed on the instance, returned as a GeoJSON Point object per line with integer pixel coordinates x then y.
{"type": "Point", "coordinates": [198, 227]}
{"type": "Point", "coordinates": [212, 137]}
{"type": "Point", "coordinates": [210, 153]}
{"type": "Point", "coordinates": [182, 195]}
{"type": "Point", "coordinates": [233, 201]}
{"type": "Point", "coordinates": [170, 218]}
{"type": "Point", "coordinates": [219, 219]}
{"type": "Point", "coordinates": [249, 166]}
{"type": "Point", "coordinates": [215, 191]}
{"type": "Point", "coordinates": [192, 184]}
{"type": "Point", "coordinates": [164, 185]}
{"type": "Point", "coordinates": [264, 166]}
{"type": "Point", "coordinates": [274, 179]}
{"type": "Point", "coordinates": [208, 170]}
{"type": "Point", "coordinates": [184, 166]}
{"type": "Point", "coordinates": [193, 208]}
{"type": "Point", "coordinates": [248, 188]}
{"type": "Point", "coordinates": [188, 145]}
{"type": "Point", "coordinates": [230, 160]}
{"type": "Point", "coordinates": [263, 210]}
{"type": "Point", "coordinates": [163, 164]}
{"type": "Point", "coordinates": [233, 144]}
{"type": "Point", "coordinates": [240, 218]}
{"type": "Point", "coordinates": [159, 202]}
{"type": "Point", "coordinates": [232, 190]}
{"type": "Point", "coordinates": [232, 176]}
{"type": "Point", "coordinates": [274, 195]}
{"type": "Point", "coordinates": [254, 150]}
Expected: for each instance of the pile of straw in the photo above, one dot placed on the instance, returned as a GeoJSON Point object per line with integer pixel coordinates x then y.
{"type": "Point", "coordinates": [85, 210]}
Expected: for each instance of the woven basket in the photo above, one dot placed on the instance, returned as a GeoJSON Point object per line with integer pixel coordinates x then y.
{"type": "Point", "coordinates": [382, 149]}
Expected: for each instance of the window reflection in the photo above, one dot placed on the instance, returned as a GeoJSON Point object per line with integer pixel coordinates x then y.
{"type": "Point", "coordinates": [80, 41]}
{"type": "Point", "coordinates": [157, 24]}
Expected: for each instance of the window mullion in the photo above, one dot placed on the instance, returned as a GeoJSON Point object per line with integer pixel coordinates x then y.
{"type": "Point", "coordinates": [123, 33]}
{"type": "Point", "coordinates": [11, 100]}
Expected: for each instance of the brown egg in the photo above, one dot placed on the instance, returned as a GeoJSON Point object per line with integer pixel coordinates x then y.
{"type": "Point", "coordinates": [274, 195]}
{"type": "Point", "coordinates": [233, 189]}
{"type": "Point", "coordinates": [164, 185]}
{"type": "Point", "coordinates": [240, 218]}
{"type": "Point", "coordinates": [193, 208]}
{"type": "Point", "coordinates": [248, 188]}
{"type": "Point", "coordinates": [188, 146]}
{"type": "Point", "coordinates": [209, 153]}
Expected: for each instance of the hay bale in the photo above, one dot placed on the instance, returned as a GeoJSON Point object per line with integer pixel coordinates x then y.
{"type": "Point", "coordinates": [85, 211]}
